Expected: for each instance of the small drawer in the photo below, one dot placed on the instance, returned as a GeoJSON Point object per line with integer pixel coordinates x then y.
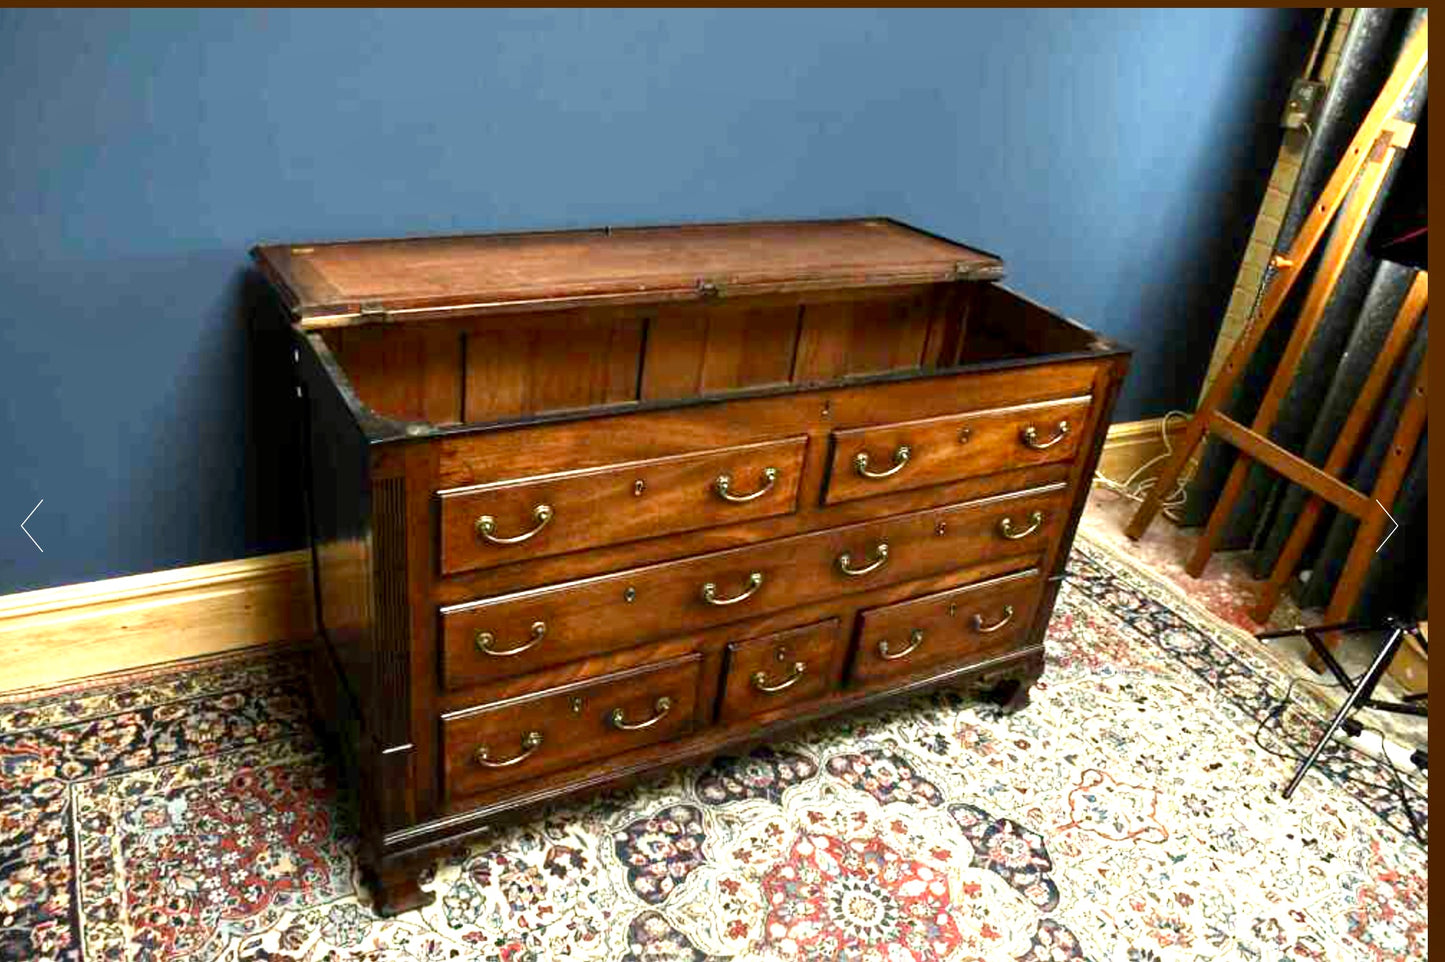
{"type": "Point", "coordinates": [517, 633]}
{"type": "Point", "coordinates": [952, 627]}
{"type": "Point", "coordinates": [508, 521]}
{"type": "Point", "coordinates": [570, 725]}
{"type": "Point", "coordinates": [781, 670]}
{"type": "Point", "coordinates": [916, 454]}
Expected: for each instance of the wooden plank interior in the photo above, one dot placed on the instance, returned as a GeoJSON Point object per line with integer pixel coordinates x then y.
{"type": "Point", "coordinates": [570, 359]}
{"type": "Point", "coordinates": [481, 368]}
{"type": "Point", "coordinates": [864, 336]}
{"type": "Point", "coordinates": [1027, 328]}
{"type": "Point", "coordinates": [411, 375]}
{"type": "Point", "coordinates": [948, 325]}
{"type": "Point", "coordinates": [701, 349]}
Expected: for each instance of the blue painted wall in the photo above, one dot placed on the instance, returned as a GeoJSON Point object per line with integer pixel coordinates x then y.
{"type": "Point", "coordinates": [1112, 157]}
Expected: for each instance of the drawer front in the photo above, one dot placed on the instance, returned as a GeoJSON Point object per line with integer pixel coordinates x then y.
{"type": "Point", "coordinates": [952, 627]}
{"type": "Point", "coordinates": [781, 670]}
{"type": "Point", "coordinates": [536, 734]}
{"type": "Point", "coordinates": [520, 632]}
{"type": "Point", "coordinates": [915, 454]}
{"type": "Point", "coordinates": [494, 524]}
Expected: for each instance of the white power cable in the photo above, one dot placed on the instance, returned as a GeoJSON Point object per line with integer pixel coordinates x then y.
{"type": "Point", "coordinates": [1135, 487]}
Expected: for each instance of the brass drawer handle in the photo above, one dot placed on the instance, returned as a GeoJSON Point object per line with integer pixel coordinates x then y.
{"type": "Point", "coordinates": [487, 526]}
{"type": "Point", "coordinates": [1030, 436]}
{"type": "Point", "coordinates": [723, 487]}
{"type": "Point", "coordinates": [880, 558]}
{"type": "Point", "coordinates": [760, 679]}
{"type": "Point", "coordinates": [530, 743]}
{"type": "Point", "coordinates": [660, 708]}
{"type": "Point", "coordinates": [1006, 526]}
{"type": "Point", "coordinates": [983, 629]}
{"type": "Point", "coordinates": [915, 638]}
{"type": "Point", "coordinates": [709, 591]}
{"type": "Point", "coordinates": [485, 639]}
{"type": "Point", "coordinates": [900, 458]}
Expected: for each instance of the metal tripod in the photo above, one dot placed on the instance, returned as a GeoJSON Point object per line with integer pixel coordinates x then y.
{"type": "Point", "coordinates": [1357, 694]}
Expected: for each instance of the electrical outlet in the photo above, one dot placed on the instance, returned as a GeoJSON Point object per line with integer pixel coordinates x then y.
{"type": "Point", "coordinates": [1304, 100]}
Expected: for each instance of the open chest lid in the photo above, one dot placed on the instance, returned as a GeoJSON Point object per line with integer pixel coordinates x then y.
{"type": "Point", "coordinates": [359, 282]}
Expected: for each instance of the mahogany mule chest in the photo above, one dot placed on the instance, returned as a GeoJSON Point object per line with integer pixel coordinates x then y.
{"type": "Point", "coordinates": [588, 504]}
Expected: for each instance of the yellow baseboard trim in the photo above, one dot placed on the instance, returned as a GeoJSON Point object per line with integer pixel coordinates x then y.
{"type": "Point", "coordinates": [57, 635]}
{"type": "Point", "coordinates": [1131, 444]}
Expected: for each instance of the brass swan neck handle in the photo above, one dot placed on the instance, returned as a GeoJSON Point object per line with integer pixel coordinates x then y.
{"type": "Point", "coordinates": [487, 526]}
{"type": "Point", "coordinates": [900, 460]}
{"type": "Point", "coordinates": [723, 487]}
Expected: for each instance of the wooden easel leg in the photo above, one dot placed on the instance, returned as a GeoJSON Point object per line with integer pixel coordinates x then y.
{"type": "Point", "coordinates": [1406, 320]}
{"type": "Point", "coordinates": [1372, 529]}
{"type": "Point", "coordinates": [1332, 265]}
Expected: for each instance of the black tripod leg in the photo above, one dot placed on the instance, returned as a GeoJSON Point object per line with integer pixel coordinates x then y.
{"type": "Point", "coordinates": [1361, 691]}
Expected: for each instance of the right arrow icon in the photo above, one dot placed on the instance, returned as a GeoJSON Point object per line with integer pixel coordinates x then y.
{"type": "Point", "coordinates": [1392, 521]}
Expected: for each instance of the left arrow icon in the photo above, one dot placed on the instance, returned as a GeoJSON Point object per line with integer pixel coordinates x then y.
{"type": "Point", "coordinates": [27, 533]}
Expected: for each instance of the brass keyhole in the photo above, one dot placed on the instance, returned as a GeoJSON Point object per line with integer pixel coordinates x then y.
{"type": "Point", "coordinates": [965, 435]}
{"type": "Point", "coordinates": [638, 487]}
{"type": "Point", "coordinates": [630, 595]}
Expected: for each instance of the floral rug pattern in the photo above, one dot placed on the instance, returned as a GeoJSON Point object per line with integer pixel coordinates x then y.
{"type": "Point", "coordinates": [1131, 812]}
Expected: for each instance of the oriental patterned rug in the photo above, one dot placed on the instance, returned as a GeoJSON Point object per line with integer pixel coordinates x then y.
{"type": "Point", "coordinates": [1132, 813]}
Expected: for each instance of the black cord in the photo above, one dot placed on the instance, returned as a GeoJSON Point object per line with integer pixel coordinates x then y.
{"type": "Point", "coordinates": [1415, 827]}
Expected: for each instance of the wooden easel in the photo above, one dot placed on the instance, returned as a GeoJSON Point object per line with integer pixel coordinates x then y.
{"type": "Point", "coordinates": [1367, 157]}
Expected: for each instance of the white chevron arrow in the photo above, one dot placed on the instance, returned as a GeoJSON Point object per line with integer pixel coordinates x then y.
{"type": "Point", "coordinates": [1392, 521]}
{"type": "Point", "coordinates": [27, 533]}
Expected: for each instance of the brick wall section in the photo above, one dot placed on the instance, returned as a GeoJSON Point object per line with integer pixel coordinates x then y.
{"type": "Point", "coordinates": [1267, 223]}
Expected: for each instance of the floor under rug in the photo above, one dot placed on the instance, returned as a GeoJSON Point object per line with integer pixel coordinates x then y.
{"type": "Point", "coordinates": [1131, 812]}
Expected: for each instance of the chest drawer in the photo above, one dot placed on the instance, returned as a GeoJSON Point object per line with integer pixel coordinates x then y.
{"type": "Point", "coordinates": [511, 634]}
{"type": "Point", "coordinates": [535, 734]}
{"type": "Point", "coordinates": [914, 454]}
{"type": "Point", "coordinates": [504, 522]}
{"type": "Point", "coordinates": [781, 670]}
{"type": "Point", "coordinates": [956, 626]}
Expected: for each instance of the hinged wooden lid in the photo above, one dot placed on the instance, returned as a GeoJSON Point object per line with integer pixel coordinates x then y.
{"type": "Point", "coordinates": [357, 282]}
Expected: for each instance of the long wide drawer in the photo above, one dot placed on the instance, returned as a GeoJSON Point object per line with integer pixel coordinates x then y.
{"type": "Point", "coordinates": [956, 627]}
{"type": "Point", "coordinates": [524, 631]}
{"type": "Point", "coordinates": [532, 735]}
{"type": "Point", "coordinates": [915, 454]}
{"type": "Point", "coordinates": [508, 521]}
